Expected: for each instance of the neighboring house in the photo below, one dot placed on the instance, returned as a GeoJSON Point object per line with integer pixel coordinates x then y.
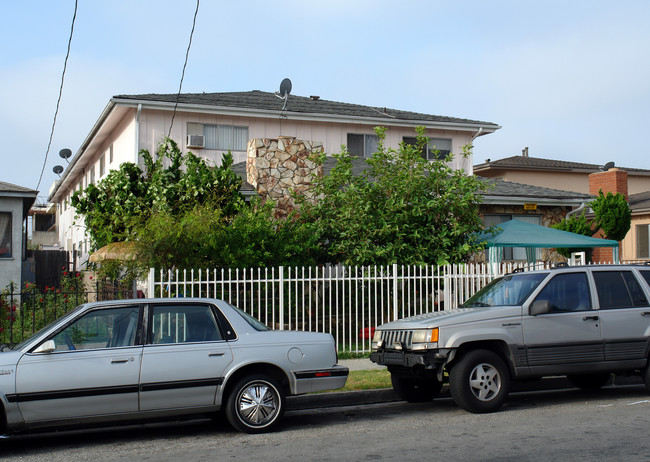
{"type": "Point", "coordinates": [633, 183]}
{"type": "Point", "coordinates": [572, 176]}
{"type": "Point", "coordinates": [15, 202]}
{"type": "Point", "coordinates": [43, 227]}
{"type": "Point", "coordinates": [210, 124]}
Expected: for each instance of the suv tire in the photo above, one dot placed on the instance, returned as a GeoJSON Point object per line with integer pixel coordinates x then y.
{"type": "Point", "coordinates": [415, 390]}
{"type": "Point", "coordinates": [479, 382]}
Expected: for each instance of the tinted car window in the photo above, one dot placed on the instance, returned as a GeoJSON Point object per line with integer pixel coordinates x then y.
{"type": "Point", "coordinates": [567, 292]}
{"type": "Point", "coordinates": [618, 289]}
{"type": "Point", "coordinates": [184, 324]}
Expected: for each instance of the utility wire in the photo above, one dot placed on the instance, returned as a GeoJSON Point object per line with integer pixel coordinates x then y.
{"type": "Point", "coordinates": [58, 102]}
{"type": "Point", "coordinates": [187, 53]}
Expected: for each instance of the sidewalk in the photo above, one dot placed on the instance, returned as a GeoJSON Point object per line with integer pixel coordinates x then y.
{"type": "Point", "coordinates": [362, 364]}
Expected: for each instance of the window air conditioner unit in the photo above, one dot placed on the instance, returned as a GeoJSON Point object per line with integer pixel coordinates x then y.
{"type": "Point", "coordinates": [195, 141]}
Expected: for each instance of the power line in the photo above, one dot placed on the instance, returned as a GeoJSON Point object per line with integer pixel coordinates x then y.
{"type": "Point", "coordinates": [58, 102]}
{"type": "Point", "coordinates": [187, 53]}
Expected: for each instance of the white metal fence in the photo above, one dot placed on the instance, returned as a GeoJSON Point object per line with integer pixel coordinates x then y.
{"type": "Point", "coordinates": [346, 301]}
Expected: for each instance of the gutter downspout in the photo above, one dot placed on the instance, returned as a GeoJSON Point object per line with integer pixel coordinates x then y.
{"type": "Point", "coordinates": [137, 134]}
{"type": "Point", "coordinates": [582, 206]}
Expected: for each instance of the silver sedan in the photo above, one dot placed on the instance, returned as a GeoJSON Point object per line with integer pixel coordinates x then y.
{"type": "Point", "coordinates": [141, 359]}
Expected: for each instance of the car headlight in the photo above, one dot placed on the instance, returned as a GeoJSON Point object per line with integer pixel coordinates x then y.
{"type": "Point", "coordinates": [377, 342]}
{"type": "Point", "coordinates": [425, 339]}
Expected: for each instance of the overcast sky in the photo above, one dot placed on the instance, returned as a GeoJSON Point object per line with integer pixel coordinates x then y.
{"type": "Point", "coordinates": [568, 79]}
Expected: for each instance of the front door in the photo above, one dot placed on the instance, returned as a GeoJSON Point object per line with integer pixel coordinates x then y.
{"type": "Point", "coordinates": [93, 371]}
{"type": "Point", "coordinates": [184, 358]}
{"type": "Point", "coordinates": [568, 337]}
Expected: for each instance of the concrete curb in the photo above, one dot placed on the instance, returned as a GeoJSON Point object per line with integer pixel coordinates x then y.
{"type": "Point", "coordinates": [388, 395]}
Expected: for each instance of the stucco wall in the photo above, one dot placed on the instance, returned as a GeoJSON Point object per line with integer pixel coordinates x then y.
{"type": "Point", "coordinates": [629, 244]}
{"type": "Point", "coordinates": [154, 125]}
{"type": "Point", "coordinates": [72, 231]}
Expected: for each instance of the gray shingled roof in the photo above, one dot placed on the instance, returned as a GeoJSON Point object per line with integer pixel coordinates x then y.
{"type": "Point", "coordinates": [512, 189]}
{"type": "Point", "coordinates": [261, 100]}
{"type": "Point", "coordinates": [537, 163]}
{"type": "Point", "coordinates": [12, 188]}
{"type": "Point", "coordinates": [639, 202]}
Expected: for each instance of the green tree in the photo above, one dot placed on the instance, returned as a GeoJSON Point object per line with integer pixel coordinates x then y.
{"type": "Point", "coordinates": [203, 237]}
{"type": "Point", "coordinates": [613, 215]}
{"type": "Point", "coordinates": [172, 184]}
{"type": "Point", "coordinates": [401, 208]}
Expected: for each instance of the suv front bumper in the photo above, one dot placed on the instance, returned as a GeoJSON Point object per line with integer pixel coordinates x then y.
{"type": "Point", "coordinates": [429, 359]}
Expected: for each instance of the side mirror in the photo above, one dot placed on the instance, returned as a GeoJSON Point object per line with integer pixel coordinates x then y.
{"type": "Point", "coordinates": [540, 307]}
{"type": "Point", "coordinates": [46, 347]}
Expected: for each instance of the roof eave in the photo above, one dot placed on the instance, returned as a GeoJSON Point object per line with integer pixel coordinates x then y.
{"type": "Point", "coordinates": [53, 196]}
{"type": "Point", "coordinates": [307, 116]}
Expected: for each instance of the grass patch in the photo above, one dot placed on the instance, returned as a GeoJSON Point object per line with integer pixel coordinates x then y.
{"type": "Point", "coordinates": [367, 380]}
{"type": "Point", "coordinates": [351, 355]}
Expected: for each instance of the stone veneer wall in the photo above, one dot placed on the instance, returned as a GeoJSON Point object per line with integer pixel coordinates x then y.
{"type": "Point", "coordinates": [278, 167]}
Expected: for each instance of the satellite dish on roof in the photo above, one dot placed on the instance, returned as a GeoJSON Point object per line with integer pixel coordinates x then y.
{"type": "Point", "coordinates": [57, 169]}
{"type": "Point", "coordinates": [65, 154]}
{"type": "Point", "coordinates": [608, 166]}
{"type": "Point", "coordinates": [285, 90]}
{"type": "Point", "coordinates": [285, 87]}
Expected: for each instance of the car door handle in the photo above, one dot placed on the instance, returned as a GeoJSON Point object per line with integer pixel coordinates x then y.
{"type": "Point", "coordinates": [645, 313]}
{"type": "Point", "coordinates": [216, 353]}
{"type": "Point", "coordinates": [590, 318]}
{"type": "Point", "coordinates": [119, 360]}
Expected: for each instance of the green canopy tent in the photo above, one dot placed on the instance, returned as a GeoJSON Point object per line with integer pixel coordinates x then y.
{"type": "Point", "coordinates": [516, 233]}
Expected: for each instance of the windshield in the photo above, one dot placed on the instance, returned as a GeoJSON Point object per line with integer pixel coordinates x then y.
{"type": "Point", "coordinates": [20, 345]}
{"type": "Point", "coordinates": [509, 290]}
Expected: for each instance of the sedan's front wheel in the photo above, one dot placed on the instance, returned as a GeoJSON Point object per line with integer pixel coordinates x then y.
{"type": "Point", "coordinates": [255, 404]}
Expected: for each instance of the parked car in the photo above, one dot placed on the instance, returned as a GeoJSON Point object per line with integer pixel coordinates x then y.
{"type": "Point", "coordinates": [141, 359]}
{"type": "Point", "coordinates": [582, 322]}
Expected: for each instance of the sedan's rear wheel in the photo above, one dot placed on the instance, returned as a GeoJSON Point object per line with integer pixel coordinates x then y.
{"type": "Point", "coordinates": [255, 404]}
{"type": "Point", "coordinates": [479, 382]}
{"type": "Point", "coordinates": [415, 390]}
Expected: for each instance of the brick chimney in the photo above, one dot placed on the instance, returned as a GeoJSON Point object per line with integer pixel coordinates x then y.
{"type": "Point", "coordinates": [613, 180]}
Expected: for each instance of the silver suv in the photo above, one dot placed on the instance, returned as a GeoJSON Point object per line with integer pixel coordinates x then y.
{"type": "Point", "coordinates": [582, 322]}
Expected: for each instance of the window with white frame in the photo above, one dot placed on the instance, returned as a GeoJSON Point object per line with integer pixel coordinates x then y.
{"type": "Point", "coordinates": [436, 148]}
{"type": "Point", "coordinates": [110, 154]}
{"type": "Point", "coordinates": [102, 165]}
{"type": "Point", "coordinates": [513, 253]}
{"type": "Point", "coordinates": [362, 145]}
{"type": "Point", "coordinates": [5, 235]}
{"type": "Point", "coordinates": [642, 244]}
{"type": "Point", "coordinates": [221, 137]}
